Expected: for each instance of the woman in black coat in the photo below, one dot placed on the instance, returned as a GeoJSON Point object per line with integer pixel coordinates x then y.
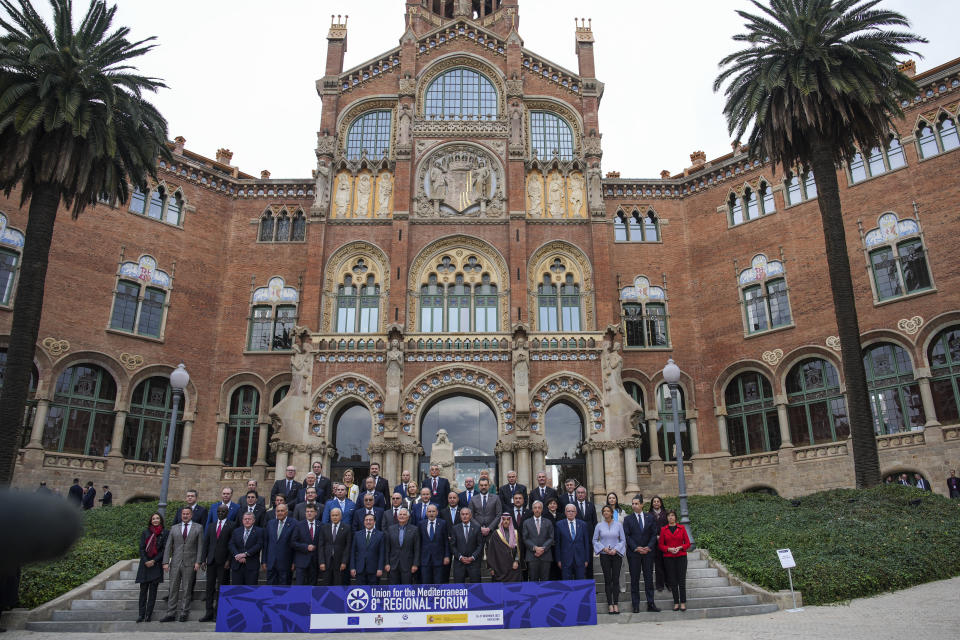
{"type": "Point", "coordinates": [150, 571]}
{"type": "Point", "coordinates": [659, 513]}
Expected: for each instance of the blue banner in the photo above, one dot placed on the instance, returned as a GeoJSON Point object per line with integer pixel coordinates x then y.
{"type": "Point", "coordinates": [490, 605]}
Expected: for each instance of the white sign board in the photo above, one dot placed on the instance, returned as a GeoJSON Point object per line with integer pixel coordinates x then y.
{"type": "Point", "coordinates": [786, 558]}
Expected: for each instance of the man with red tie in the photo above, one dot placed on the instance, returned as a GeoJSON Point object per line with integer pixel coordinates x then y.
{"type": "Point", "coordinates": [216, 541]}
{"type": "Point", "coordinates": [439, 487]}
{"type": "Point", "coordinates": [305, 542]}
{"type": "Point", "coordinates": [391, 516]}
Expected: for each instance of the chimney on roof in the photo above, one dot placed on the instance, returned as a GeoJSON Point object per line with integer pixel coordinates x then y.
{"type": "Point", "coordinates": [908, 68]}
{"type": "Point", "coordinates": [613, 174]}
{"type": "Point", "coordinates": [698, 158]}
{"type": "Point", "coordinates": [264, 175]}
{"type": "Point", "coordinates": [664, 174]}
{"type": "Point", "coordinates": [179, 141]}
{"type": "Point", "coordinates": [224, 156]}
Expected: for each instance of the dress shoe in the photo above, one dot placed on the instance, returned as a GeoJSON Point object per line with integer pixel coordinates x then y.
{"type": "Point", "coordinates": [183, 618]}
{"type": "Point", "coordinates": [636, 608]}
{"type": "Point", "coordinates": [209, 617]}
{"type": "Point", "coordinates": [653, 608]}
{"type": "Point", "coordinates": [170, 618]}
{"type": "Point", "coordinates": [140, 619]}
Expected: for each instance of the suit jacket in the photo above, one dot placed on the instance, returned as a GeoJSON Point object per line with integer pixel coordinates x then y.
{"type": "Point", "coordinates": [345, 514]}
{"type": "Point", "coordinates": [382, 486]}
{"type": "Point", "coordinates": [465, 499]}
{"type": "Point", "coordinates": [367, 557]}
{"type": "Point", "coordinates": [280, 486]}
{"type": "Point", "coordinates": [548, 493]}
{"type": "Point", "coordinates": [335, 551]}
{"type": "Point", "coordinates": [637, 536]}
{"type": "Point", "coordinates": [217, 550]}
{"type": "Point", "coordinates": [179, 553]}
{"type": "Point", "coordinates": [489, 516]}
{"type": "Point", "coordinates": [75, 494]}
{"type": "Point", "coordinates": [543, 539]}
{"type": "Point", "coordinates": [524, 515]}
{"type": "Point", "coordinates": [107, 499]}
{"type": "Point", "coordinates": [506, 494]}
{"type": "Point", "coordinates": [300, 539]}
{"type": "Point", "coordinates": [278, 554]}
{"type": "Point", "coordinates": [402, 557]}
{"type": "Point", "coordinates": [300, 511]}
{"type": "Point", "coordinates": [324, 490]}
{"type": "Point", "coordinates": [259, 515]}
{"type": "Point", "coordinates": [89, 498]}
{"type": "Point", "coordinates": [252, 547]}
{"type": "Point", "coordinates": [563, 500]}
{"type": "Point", "coordinates": [378, 499]}
{"type": "Point", "coordinates": [432, 552]}
{"type": "Point", "coordinates": [467, 546]}
{"type": "Point", "coordinates": [401, 489]}
{"type": "Point", "coordinates": [200, 514]}
{"type": "Point", "coordinates": [361, 512]}
{"type": "Point", "coordinates": [588, 515]}
{"type": "Point", "coordinates": [417, 512]}
{"type": "Point", "coordinates": [570, 551]}
{"type": "Point", "coordinates": [450, 520]}
{"type": "Point", "coordinates": [234, 509]}
{"type": "Point", "coordinates": [953, 486]}
{"type": "Point", "coordinates": [438, 497]}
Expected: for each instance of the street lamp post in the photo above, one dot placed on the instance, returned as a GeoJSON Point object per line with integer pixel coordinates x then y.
{"type": "Point", "coordinates": [671, 374]}
{"type": "Point", "coordinates": [178, 382]}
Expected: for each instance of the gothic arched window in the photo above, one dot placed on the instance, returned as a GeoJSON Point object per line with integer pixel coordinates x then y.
{"type": "Point", "coordinates": [894, 393]}
{"type": "Point", "coordinates": [243, 429]}
{"type": "Point", "coordinates": [369, 133]}
{"type": "Point", "coordinates": [550, 133]}
{"type": "Point", "coordinates": [358, 305]}
{"type": "Point", "coordinates": [461, 94]}
{"type": "Point", "coordinates": [752, 422]}
{"type": "Point", "coordinates": [273, 316]}
{"type": "Point", "coordinates": [467, 304]}
{"type": "Point", "coordinates": [816, 408]}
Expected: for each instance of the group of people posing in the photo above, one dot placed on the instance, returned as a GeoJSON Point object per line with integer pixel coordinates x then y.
{"type": "Point", "coordinates": [319, 532]}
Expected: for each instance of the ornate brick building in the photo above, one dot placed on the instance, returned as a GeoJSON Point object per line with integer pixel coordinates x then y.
{"type": "Point", "coordinates": [458, 262]}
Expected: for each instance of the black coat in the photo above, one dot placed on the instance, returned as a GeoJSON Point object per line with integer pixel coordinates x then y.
{"type": "Point", "coordinates": [218, 549]}
{"type": "Point", "coordinates": [154, 573]}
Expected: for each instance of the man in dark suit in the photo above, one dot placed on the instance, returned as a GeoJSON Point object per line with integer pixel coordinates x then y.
{"type": "Point", "coordinates": [245, 545]}
{"type": "Point", "coordinates": [542, 492]}
{"type": "Point", "coordinates": [512, 488]}
{"type": "Point", "coordinates": [310, 482]}
{"type": "Point", "coordinates": [390, 515]}
{"type": "Point", "coordinates": [953, 484]}
{"type": "Point", "coordinates": [254, 504]}
{"type": "Point", "coordinates": [368, 508]}
{"type": "Point", "coordinates": [517, 512]}
{"type": "Point", "coordinates": [486, 508]}
{"type": "Point", "coordinates": [467, 494]}
{"type": "Point", "coordinates": [335, 549]}
{"type": "Point", "coordinates": [323, 485]}
{"type": "Point", "coordinates": [402, 551]}
{"type": "Point", "coordinates": [107, 498]}
{"type": "Point", "coordinates": [287, 486]}
{"type": "Point", "coordinates": [439, 487]}
{"type": "Point", "coordinates": [367, 552]}
{"type": "Point", "coordinates": [182, 556]}
{"type": "Point", "coordinates": [418, 510]}
{"type": "Point", "coordinates": [199, 511]}
{"type": "Point", "coordinates": [278, 554]}
{"type": "Point", "coordinates": [251, 486]}
{"type": "Point", "coordinates": [573, 550]}
{"type": "Point", "coordinates": [216, 544]}
{"type": "Point", "coordinates": [271, 513]}
{"type": "Point", "coordinates": [370, 488]}
{"type": "Point", "coordinates": [466, 548]}
{"type": "Point", "coordinates": [451, 513]}
{"type": "Point", "coordinates": [404, 481]}
{"type": "Point", "coordinates": [75, 493]}
{"type": "Point", "coordinates": [538, 540]}
{"type": "Point", "coordinates": [921, 482]}
{"type": "Point", "coordinates": [339, 501]}
{"type": "Point", "coordinates": [226, 495]}
{"type": "Point", "coordinates": [379, 482]}
{"type": "Point", "coordinates": [569, 495]}
{"type": "Point", "coordinates": [89, 497]}
{"type": "Point", "coordinates": [305, 542]}
{"type": "Point", "coordinates": [309, 497]}
{"type": "Point", "coordinates": [586, 511]}
{"type": "Point", "coordinates": [434, 547]}
{"type": "Point", "coordinates": [640, 530]}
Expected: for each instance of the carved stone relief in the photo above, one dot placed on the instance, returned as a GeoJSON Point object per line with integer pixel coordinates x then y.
{"type": "Point", "coordinates": [342, 196]}
{"type": "Point", "coordinates": [557, 196]}
{"type": "Point", "coordinates": [384, 195]}
{"type": "Point", "coordinates": [460, 180]}
{"type": "Point", "coordinates": [362, 199]}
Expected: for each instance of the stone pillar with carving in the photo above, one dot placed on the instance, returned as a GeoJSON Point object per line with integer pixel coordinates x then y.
{"type": "Point", "coordinates": [292, 413]}
{"type": "Point", "coordinates": [629, 447]}
{"type": "Point", "coordinates": [263, 430]}
{"type": "Point", "coordinates": [505, 455]}
{"type": "Point", "coordinates": [539, 451]}
{"type": "Point", "coordinates": [119, 421]}
{"type": "Point", "coordinates": [922, 376]}
{"type": "Point", "coordinates": [521, 371]}
{"type": "Point", "coordinates": [187, 437]}
{"type": "Point", "coordinates": [441, 453]}
{"type": "Point", "coordinates": [694, 436]}
{"type": "Point", "coordinates": [221, 436]}
{"type": "Point", "coordinates": [622, 414]}
{"type": "Point", "coordinates": [613, 473]}
{"type": "Point", "coordinates": [786, 441]}
{"type": "Point", "coordinates": [390, 470]}
{"type": "Point", "coordinates": [39, 421]}
{"type": "Point", "coordinates": [653, 418]}
{"type": "Point", "coordinates": [394, 367]}
{"type": "Point", "coordinates": [523, 464]}
{"type": "Point", "coordinates": [596, 473]}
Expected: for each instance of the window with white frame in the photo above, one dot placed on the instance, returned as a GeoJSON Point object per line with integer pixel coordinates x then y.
{"type": "Point", "coordinates": [468, 302]}
{"type": "Point", "coordinates": [763, 290]}
{"type": "Point", "coordinates": [799, 187]}
{"type": "Point", "coordinates": [751, 204]}
{"type": "Point", "coordinates": [644, 312]}
{"type": "Point", "coordinates": [559, 300]}
{"type": "Point", "coordinates": [898, 258]}
{"type": "Point", "coordinates": [938, 137]}
{"type": "Point", "coordinates": [369, 134]}
{"type": "Point", "coordinates": [11, 247]}
{"type": "Point", "coordinates": [358, 301]}
{"type": "Point", "coordinates": [636, 227]}
{"type": "Point", "coordinates": [158, 204]}
{"type": "Point", "coordinates": [273, 315]}
{"type": "Point", "coordinates": [878, 161]}
{"type": "Point", "coordinates": [141, 298]}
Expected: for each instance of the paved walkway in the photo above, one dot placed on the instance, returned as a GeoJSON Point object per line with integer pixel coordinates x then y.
{"type": "Point", "coordinates": [929, 611]}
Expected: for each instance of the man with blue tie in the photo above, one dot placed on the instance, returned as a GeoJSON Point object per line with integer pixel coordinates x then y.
{"type": "Point", "coordinates": [278, 554]}
{"type": "Point", "coordinates": [418, 510]}
{"type": "Point", "coordinates": [342, 502]}
{"type": "Point", "coordinates": [367, 553]}
{"type": "Point", "coordinates": [404, 481]}
{"type": "Point", "coordinates": [573, 545]}
{"type": "Point", "coordinates": [439, 487]}
{"type": "Point", "coordinates": [305, 542]}
{"type": "Point", "coordinates": [434, 547]}
{"type": "Point", "coordinates": [640, 529]}
{"type": "Point", "coordinates": [467, 495]}
{"type": "Point", "coordinates": [245, 545]}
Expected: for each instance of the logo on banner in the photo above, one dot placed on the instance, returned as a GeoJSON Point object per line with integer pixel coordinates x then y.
{"type": "Point", "coordinates": [378, 619]}
{"type": "Point", "coordinates": [358, 600]}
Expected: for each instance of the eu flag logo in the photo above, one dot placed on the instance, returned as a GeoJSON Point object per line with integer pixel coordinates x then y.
{"type": "Point", "coordinates": [353, 620]}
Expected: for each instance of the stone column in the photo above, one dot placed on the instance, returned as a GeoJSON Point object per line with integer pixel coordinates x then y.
{"type": "Point", "coordinates": [325, 458]}
{"type": "Point", "coordinates": [539, 461]}
{"type": "Point", "coordinates": [654, 440]}
{"type": "Point", "coordinates": [613, 475]}
{"type": "Point", "coordinates": [118, 423]}
{"type": "Point", "coordinates": [630, 470]}
{"type": "Point", "coordinates": [694, 438]}
{"type": "Point", "coordinates": [523, 466]}
{"type": "Point", "coordinates": [784, 420]}
{"type": "Point", "coordinates": [39, 421]}
{"type": "Point", "coordinates": [221, 436]}
{"type": "Point", "coordinates": [185, 443]}
{"type": "Point", "coordinates": [390, 470]}
{"type": "Point", "coordinates": [926, 396]}
{"type": "Point", "coordinates": [596, 475]}
{"type": "Point", "coordinates": [722, 432]}
{"type": "Point", "coordinates": [409, 463]}
{"type": "Point", "coordinates": [506, 464]}
{"type": "Point", "coordinates": [263, 429]}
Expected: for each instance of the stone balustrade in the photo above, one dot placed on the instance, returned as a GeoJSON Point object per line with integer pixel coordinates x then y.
{"type": "Point", "coordinates": [74, 461]}
{"type": "Point", "coordinates": [670, 468]}
{"type": "Point", "coordinates": [151, 469]}
{"type": "Point", "coordinates": [236, 473]}
{"type": "Point", "coordinates": [898, 440]}
{"type": "Point", "coordinates": [764, 459]}
{"type": "Point", "coordinates": [820, 451]}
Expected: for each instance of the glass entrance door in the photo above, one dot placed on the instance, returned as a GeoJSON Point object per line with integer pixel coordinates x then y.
{"type": "Point", "coordinates": [471, 427]}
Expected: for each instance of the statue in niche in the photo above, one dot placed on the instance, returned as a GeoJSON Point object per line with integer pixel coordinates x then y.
{"type": "Point", "coordinates": [438, 181]}
{"type": "Point", "coordinates": [521, 372]}
{"type": "Point", "coordinates": [555, 196]}
{"type": "Point", "coordinates": [535, 194]}
{"type": "Point", "coordinates": [623, 414]}
{"type": "Point", "coordinates": [384, 191]}
{"type": "Point", "coordinates": [342, 199]}
{"type": "Point", "coordinates": [403, 129]}
{"type": "Point", "coordinates": [394, 375]}
{"type": "Point", "coordinates": [481, 181]}
{"type": "Point", "coordinates": [441, 454]}
{"type": "Point", "coordinates": [364, 190]}
{"type": "Point", "coordinates": [576, 195]}
{"type": "Point", "coordinates": [516, 124]}
{"type": "Point", "coordinates": [595, 189]}
{"type": "Point", "coordinates": [301, 362]}
{"type": "Point", "coordinates": [321, 188]}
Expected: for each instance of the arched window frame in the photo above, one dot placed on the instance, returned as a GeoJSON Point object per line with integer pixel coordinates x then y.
{"type": "Point", "coordinates": [446, 103]}
{"type": "Point", "coordinates": [144, 413]}
{"type": "Point", "coordinates": [460, 295]}
{"type": "Point", "coordinates": [141, 299]}
{"type": "Point", "coordinates": [337, 441]}
{"type": "Point", "coordinates": [273, 315]}
{"type": "Point", "coordinates": [370, 134]}
{"type": "Point", "coordinates": [753, 425]}
{"type": "Point", "coordinates": [666, 438]}
{"type": "Point", "coordinates": [76, 401]}
{"type": "Point", "coordinates": [799, 186]}
{"type": "Point", "coordinates": [896, 259]}
{"type": "Point", "coordinates": [943, 356]}
{"type": "Point", "coordinates": [277, 224]}
{"type": "Point", "coordinates": [753, 201]}
{"type": "Point", "coordinates": [548, 132]}
{"type": "Point", "coordinates": [11, 252]}
{"type": "Point", "coordinates": [764, 296]}
{"type": "Point", "coordinates": [358, 308]}
{"type": "Point", "coordinates": [895, 400]}
{"type": "Point", "coordinates": [813, 390]}
{"type": "Point", "coordinates": [559, 299]}
{"type": "Point", "coordinates": [879, 161]}
{"type": "Point", "coordinates": [936, 137]}
{"type": "Point", "coordinates": [243, 428]}
{"type": "Point", "coordinates": [162, 203]}
{"type": "Point", "coordinates": [636, 226]}
{"type": "Point", "coordinates": [643, 312]}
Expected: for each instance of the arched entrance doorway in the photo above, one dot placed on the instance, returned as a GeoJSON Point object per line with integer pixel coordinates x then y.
{"type": "Point", "coordinates": [351, 437]}
{"type": "Point", "coordinates": [471, 426]}
{"type": "Point", "coordinates": [563, 428]}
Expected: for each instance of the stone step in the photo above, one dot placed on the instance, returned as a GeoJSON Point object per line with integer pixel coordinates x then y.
{"type": "Point", "coordinates": [668, 615]}
{"type": "Point", "coordinates": [134, 594]}
{"type": "Point", "coordinates": [120, 615]}
{"type": "Point", "coordinates": [92, 626]}
{"type": "Point", "coordinates": [692, 603]}
{"type": "Point", "coordinates": [127, 604]}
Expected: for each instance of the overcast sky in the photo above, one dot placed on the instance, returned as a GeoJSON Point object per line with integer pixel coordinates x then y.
{"type": "Point", "coordinates": [241, 73]}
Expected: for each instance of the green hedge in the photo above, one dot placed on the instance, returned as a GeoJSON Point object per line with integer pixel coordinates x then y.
{"type": "Point", "coordinates": [109, 535]}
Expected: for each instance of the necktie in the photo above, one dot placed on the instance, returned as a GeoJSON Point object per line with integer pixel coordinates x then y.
{"type": "Point", "coordinates": [640, 520]}
{"type": "Point", "coordinates": [395, 515]}
{"type": "Point", "coordinates": [401, 535]}
{"type": "Point", "coordinates": [518, 515]}
{"type": "Point", "coordinates": [570, 498]}
{"type": "Point", "coordinates": [466, 531]}
{"type": "Point", "coordinates": [582, 510]}
{"type": "Point", "coordinates": [369, 512]}
{"type": "Point", "coordinates": [250, 510]}
{"type": "Point", "coordinates": [573, 530]}
{"type": "Point", "coordinates": [541, 493]}
{"type": "Point", "coordinates": [288, 486]}
{"type": "Point", "coordinates": [246, 534]}
{"type": "Point", "coordinates": [537, 520]}
{"type": "Point", "coordinates": [423, 511]}
{"type": "Point", "coordinates": [430, 532]}
{"type": "Point", "coordinates": [185, 528]}
{"type": "Point", "coordinates": [434, 485]}
{"type": "Point", "coordinates": [311, 531]}
{"type": "Point", "coordinates": [368, 536]}
{"type": "Point", "coordinates": [483, 501]}
{"type": "Point", "coordinates": [513, 488]}
{"type": "Point", "coordinates": [341, 506]}
{"type": "Point", "coordinates": [453, 514]}
{"type": "Point", "coordinates": [219, 527]}
{"type": "Point", "coordinates": [279, 528]}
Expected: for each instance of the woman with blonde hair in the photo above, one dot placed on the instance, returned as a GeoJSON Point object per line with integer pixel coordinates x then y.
{"type": "Point", "coordinates": [353, 491]}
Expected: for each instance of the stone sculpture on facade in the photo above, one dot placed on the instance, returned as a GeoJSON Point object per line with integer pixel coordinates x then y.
{"type": "Point", "coordinates": [394, 376]}
{"type": "Point", "coordinates": [384, 192]}
{"type": "Point", "coordinates": [576, 195]}
{"type": "Point", "coordinates": [342, 199]}
{"type": "Point", "coordinates": [521, 371]}
{"type": "Point", "coordinates": [364, 190]}
{"type": "Point", "coordinates": [555, 196]}
{"type": "Point", "coordinates": [623, 413]}
{"type": "Point", "coordinates": [441, 454]}
{"type": "Point", "coordinates": [481, 181]}
{"type": "Point", "coordinates": [535, 195]}
{"type": "Point", "coordinates": [405, 120]}
{"type": "Point", "coordinates": [594, 189]}
{"type": "Point", "coordinates": [516, 124]}
{"type": "Point", "coordinates": [321, 189]}
{"type": "Point", "coordinates": [438, 181]}
{"type": "Point", "coordinates": [460, 180]}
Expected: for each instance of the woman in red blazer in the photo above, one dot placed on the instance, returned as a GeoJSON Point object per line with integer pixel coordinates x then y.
{"type": "Point", "coordinates": [674, 543]}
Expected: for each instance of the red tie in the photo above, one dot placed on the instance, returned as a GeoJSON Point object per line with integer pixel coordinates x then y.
{"type": "Point", "coordinates": [434, 485]}
{"type": "Point", "coordinates": [219, 527]}
{"type": "Point", "coordinates": [185, 528]}
{"type": "Point", "coordinates": [311, 531]}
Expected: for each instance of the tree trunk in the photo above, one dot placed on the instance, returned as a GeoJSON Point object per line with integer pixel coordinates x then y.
{"type": "Point", "coordinates": [27, 308]}
{"type": "Point", "coordinates": [866, 462]}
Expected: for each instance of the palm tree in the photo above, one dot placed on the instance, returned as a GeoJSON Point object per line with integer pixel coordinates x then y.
{"type": "Point", "coordinates": [74, 127]}
{"type": "Point", "coordinates": [818, 80]}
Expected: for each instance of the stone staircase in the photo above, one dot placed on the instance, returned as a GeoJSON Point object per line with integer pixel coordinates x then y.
{"type": "Point", "coordinates": [114, 607]}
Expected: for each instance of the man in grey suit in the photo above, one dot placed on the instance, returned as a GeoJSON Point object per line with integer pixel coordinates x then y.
{"type": "Point", "coordinates": [466, 549]}
{"type": "Point", "coordinates": [403, 550]}
{"type": "Point", "coordinates": [182, 557]}
{"type": "Point", "coordinates": [538, 540]}
{"type": "Point", "coordinates": [486, 508]}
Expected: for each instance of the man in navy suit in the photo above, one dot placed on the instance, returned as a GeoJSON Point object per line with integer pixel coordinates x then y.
{"type": "Point", "coordinates": [466, 547]}
{"type": "Point", "coordinates": [542, 492]}
{"type": "Point", "coordinates": [368, 508]}
{"type": "Point", "coordinates": [367, 553]}
{"type": "Point", "coordinates": [434, 547]}
{"type": "Point", "coordinates": [439, 487]}
{"type": "Point", "coordinates": [402, 551]}
{"type": "Point", "coordinates": [586, 511]}
{"type": "Point", "coordinates": [370, 488]}
{"type": "Point", "coordinates": [226, 497]}
{"type": "Point", "coordinates": [75, 493]}
{"type": "Point", "coordinates": [379, 482]}
{"type": "Point", "coordinates": [217, 555]}
{"type": "Point", "coordinates": [287, 487]}
{"type": "Point", "coordinates": [467, 495]}
{"type": "Point", "coordinates": [451, 512]}
{"type": "Point", "coordinates": [418, 510]}
{"type": "Point", "coordinates": [278, 554]}
{"type": "Point", "coordinates": [323, 485]}
{"type": "Point", "coordinates": [569, 495]}
{"type": "Point", "coordinates": [335, 549]}
{"type": "Point", "coordinates": [305, 542]}
{"type": "Point", "coordinates": [342, 502]}
{"type": "Point", "coordinates": [572, 545]}
{"type": "Point", "coordinates": [640, 529]}
{"type": "Point", "coordinates": [199, 512]}
{"type": "Point", "coordinates": [245, 545]}
{"type": "Point", "coordinates": [404, 481]}
{"type": "Point", "coordinates": [512, 488]}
